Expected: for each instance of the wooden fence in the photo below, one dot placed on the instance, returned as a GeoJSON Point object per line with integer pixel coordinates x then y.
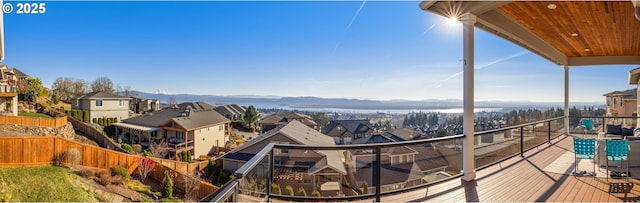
{"type": "Point", "coordinates": [95, 135]}
{"type": "Point", "coordinates": [41, 151]}
{"type": "Point", "coordinates": [36, 122]}
{"type": "Point", "coordinates": [182, 167]}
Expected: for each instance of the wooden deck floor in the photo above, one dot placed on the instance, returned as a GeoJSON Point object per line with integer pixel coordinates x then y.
{"type": "Point", "coordinates": [522, 179]}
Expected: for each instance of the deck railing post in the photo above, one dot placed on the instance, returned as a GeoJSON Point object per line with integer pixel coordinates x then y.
{"type": "Point", "coordinates": [377, 174]}
{"type": "Point", "coordinates": [269, 180]}
{"type": "Point", "coordinates": [522, 141]}
{"type": "Point", "coordinates": [549, 131]}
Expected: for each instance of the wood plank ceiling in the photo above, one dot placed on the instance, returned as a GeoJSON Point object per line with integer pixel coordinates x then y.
{"type": "Point", "coordinates": [581, 28]}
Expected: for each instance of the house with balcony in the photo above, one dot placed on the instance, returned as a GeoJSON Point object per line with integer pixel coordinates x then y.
{"type": "Point", "coordinates": [232, 111]}
{"type": "Point", "coordinates": [141, 105]}
{"type": "Point", "coordinates": [310, 169]}
{"type": "Point", "coordinates": [276, 120]}
{"type": "Point", "coordinates": [345, 131]}
{"type": "Point", "coordinates": [103, 105]}
{"type": "Point", "coordinates": [191, 126]}
{"type": "Point", "coordinates": [622, 103]}
{"type": "Point", "coordinates": [8, 93]}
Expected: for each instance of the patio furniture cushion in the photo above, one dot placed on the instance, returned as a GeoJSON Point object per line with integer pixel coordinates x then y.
{"type": "Point", "coordinates": [626, 132]}
{"type": "Point", "coordinates": [614, 129]}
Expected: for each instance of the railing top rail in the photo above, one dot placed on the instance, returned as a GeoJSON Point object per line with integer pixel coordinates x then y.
{"type": "Point", "coordinates": [366, 146]}
{"type": "Point", "coordinates": [604, 116]}
{"type": "Point", "coordinates": [221, 193]}
{"type": "Point", "coordinates": [517, 126]}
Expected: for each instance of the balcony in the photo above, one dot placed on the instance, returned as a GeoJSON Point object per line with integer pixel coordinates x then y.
{"type": "Point", "coordinates": [8, 90]}
{"type": "Point", "coordinates": [511, 166]}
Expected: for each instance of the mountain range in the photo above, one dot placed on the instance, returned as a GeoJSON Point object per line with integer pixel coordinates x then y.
{"type": "Point", "coordinates": [344, 103]}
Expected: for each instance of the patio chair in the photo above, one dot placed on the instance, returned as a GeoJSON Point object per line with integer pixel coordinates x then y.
{"type": "Point", "coordinates": [584, 149]}
{"type": "Point", "coordinates": [617, 150]}
{"type": "Point", "coordinates": [587, 126]}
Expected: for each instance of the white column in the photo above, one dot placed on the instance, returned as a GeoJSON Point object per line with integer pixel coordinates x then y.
{"type": "Point", "coordinates": [468, 156]}
{"type": "Point", "coordinates": [566, 99]}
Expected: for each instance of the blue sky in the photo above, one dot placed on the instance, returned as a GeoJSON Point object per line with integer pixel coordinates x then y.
{"type": "Point", "coordinates": [372, 50]}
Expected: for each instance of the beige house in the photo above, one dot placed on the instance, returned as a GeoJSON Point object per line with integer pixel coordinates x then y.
{"type": "Point", "coordinates": [141, 105]}
{"type": "Point", "coordinates": [8, 93]}
{"type": "Point", "coordinates": [103, 105]}
{"type": "Point", "coordinates": [622, 103]}
{"type": "Point", "coordinates": [190, 126]}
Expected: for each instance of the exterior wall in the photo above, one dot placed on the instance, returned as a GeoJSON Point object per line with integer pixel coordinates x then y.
{"type": "Point", "coordinates": [232, 165]}
{"type": "Point", "coordinates": [209, 137]}
{"type": "Point", "coordinates": [109, 108]}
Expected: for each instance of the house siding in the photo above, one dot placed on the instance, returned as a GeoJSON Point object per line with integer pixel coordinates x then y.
{"type": "Point", "coordinates": [207, 138]}
{"type": "Point", "coordinates": [110, 108]}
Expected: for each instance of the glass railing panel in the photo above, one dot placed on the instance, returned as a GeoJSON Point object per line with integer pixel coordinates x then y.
{"type": "Point", "coordinates": [253, 185]}
{"type": "Point", "coordinates": [576, 124]}
{"type": "Point", "coordinates": [416, 164]}
{"type": "Point", "coordinates": [557, 128]}
{"type": "Point", "coordinates": [307, 172]}
{"type": "Point", "coordinates": [496, 146]}
{"type": "Point", "coordinates": [535, 134]}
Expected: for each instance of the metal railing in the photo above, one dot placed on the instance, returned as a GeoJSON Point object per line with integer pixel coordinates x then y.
{"type": "Point", "coordinates": [600, 123]}
{"type": "Point", "coordinates": [416, 163]}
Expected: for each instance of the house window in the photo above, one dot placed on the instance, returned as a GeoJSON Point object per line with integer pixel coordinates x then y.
{"type": "Point", "coordinates": [98, 102]}
{"type": "Point", "coordinates": [121, 102]}
{"type": "Point", "coordinates": [220, 128]}
{"type": "Point", "coordinates": [180, 135]}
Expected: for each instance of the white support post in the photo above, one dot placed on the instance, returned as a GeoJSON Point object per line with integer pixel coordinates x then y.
{"type": "Point", "coordinates": [566, 99]}
{"type": "Point", "coordinates": [468, 156]}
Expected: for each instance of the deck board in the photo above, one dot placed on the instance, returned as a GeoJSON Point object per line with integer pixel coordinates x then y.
{"type": "Point", "coordinates": [522, 179]}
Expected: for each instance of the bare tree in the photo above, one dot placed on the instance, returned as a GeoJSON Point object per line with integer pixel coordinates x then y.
{"type": "Point", "coordinates": [63, 87]}
{"type": "Point", "coordinates": [190, 184]}
{"type": "Point", "coordinates": [79, 87]}
{"type": "Point", "coordinates": [172, 102]}
{"type": "Point", "coordinates": [145, 165]}
{"type": "Point", "coordinates": [102, 84]}
{"type": "Point", "coordinates": [159, 149]}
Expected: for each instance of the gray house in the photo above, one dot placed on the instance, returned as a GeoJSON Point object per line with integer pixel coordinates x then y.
{"type": "Point", "coordinates": [345, 131]}
{"type": "Point", "coordinates": [231, 111]}
{"type": "Point", "coordinates": [103, 105]}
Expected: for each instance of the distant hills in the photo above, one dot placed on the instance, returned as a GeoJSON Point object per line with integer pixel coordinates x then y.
{"type": "Point", "coordinates": [342, 103]}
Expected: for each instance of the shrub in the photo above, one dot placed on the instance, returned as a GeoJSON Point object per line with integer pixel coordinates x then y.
{"type": "Point", "coordinates": [147, 153]}
{"type": "Point", "coordinates": [121, 171]}
{"type": "Point", "coordinates": [145, 165]}
{"type": "Point", "coordinates": [275, 189]}
{"type": "Point", "coordinates": [138, 186]}
{"type": "Point", "coordinates": [167, 189]}
{"type": "Point", "coordinates": [104, 178]}
{"type": "Point", "coordinates": [137, 148]}
{"type": "Point", "coordinates": [365, 187]}
{"type": "Point", "coordinates": [85, 117]}
{"type": "Point", "coordinates": [189, 159]}
{"type": "Point", "coordinates": [87, 174]}
{"type": "Point", "coordinates": [127, 148]}
{"type": "Point", "coordinates": [302, 192]}
{"type": "Point", "coordinates": [74, 156]}
{"type": "Point", "coordinates": [315, 193]}
{"type": "Point", "coordinates": [60, 159]}
{"type": "Point", "coordinates": [290, 190]}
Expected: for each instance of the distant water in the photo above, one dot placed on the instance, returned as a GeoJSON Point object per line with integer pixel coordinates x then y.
{"type": "Point", "coordinates": [389, 111]}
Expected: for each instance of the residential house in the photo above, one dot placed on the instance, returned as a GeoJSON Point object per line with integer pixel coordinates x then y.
{"type": "Point", "coordinates": [344, 131]}
{"type": "Point", "coordinates": [141, 105]}
{"type": "Point", "coordinates": [193, 127]}
{"type": "Point", "coordinates": [310, 169]}
{"type": "Point", "coordinates": [403, 166]}
{"type": "Point", "coordinates": [8, 93]}
{"type": "Point", "coordinates": [276, 120]}
{"type": "Point", "coordinates": [634, 79]}
{"type": "Point", "coordinates": [13, 74]}
{"type": "Point", "coordinates": [232, 111]}
{"type": "Point", "coordinates": [622, 104]}
{"type": "Point", "coordinates": [103, 105]}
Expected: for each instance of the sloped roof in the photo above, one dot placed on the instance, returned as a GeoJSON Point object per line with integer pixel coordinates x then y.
{"type": "Point", "coordinates": [402, 134]}
{"type": "Point", "coordinates": [393, 174]}
{"type": "Point", "coordinates": [625, 93]}
{"type": "Point", "coordinates": [19, 73]}
{"type": "Point", "coordinates": [231, 109]}
{"type": "Point", "coordinates": [285, 117]}
{"type": "Point", "coordinates": [304, 135]}
{"type": "Point", "coordinates": [353, 126]}
{"type": "Point", "coordinates": [156, 118]}
{"type": "Point", "coordinates": [101, 95]}
{"type": "Point", "coordinates": [198, 119]}
{"type": "Point", "coordinates": [198, 106]}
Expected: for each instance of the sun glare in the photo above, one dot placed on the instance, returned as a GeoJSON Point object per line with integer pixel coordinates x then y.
{"type": "Point", "coordinates": [453, 20]}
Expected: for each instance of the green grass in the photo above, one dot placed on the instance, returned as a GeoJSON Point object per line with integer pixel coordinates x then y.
{"type": "Point", "coordinates": [44, 184]}
{"type": "Point", "coordinates": [34, 115]}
